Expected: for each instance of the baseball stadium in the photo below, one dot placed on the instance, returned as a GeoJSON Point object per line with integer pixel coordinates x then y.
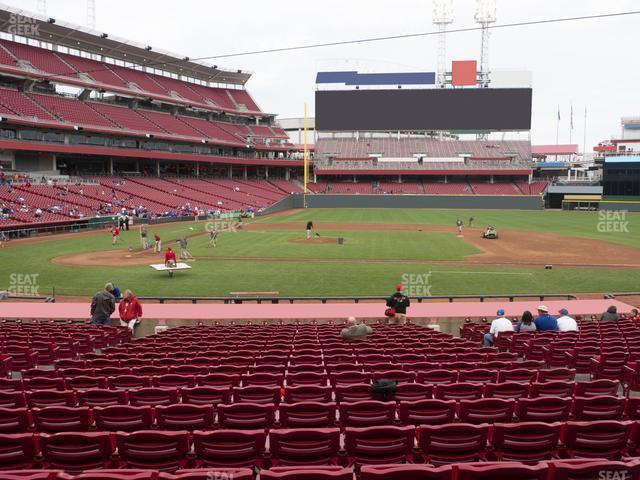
{"type": "Point", "coordinates": [396, 283]}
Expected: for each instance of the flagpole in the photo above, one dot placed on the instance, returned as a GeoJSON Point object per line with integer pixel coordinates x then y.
{"type": "Point", "coordinates": [558, 125]}
{"type": "Point", "coordinates": [305, 157]}
{"type": "Point", "coordinates": [584, 134]}
{"type": "Point", "coordinates": [571, 124]}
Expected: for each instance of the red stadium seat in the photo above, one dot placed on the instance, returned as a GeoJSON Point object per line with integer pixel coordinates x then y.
{"type": "Point", "coordinates": [437, 376]}
{"type": "Point", "coordinates": [50, 398]}
{"type": "Point", "coordinates": [14, 420]}
{"type": "Point", "coordinates": [453, 442]}
{"type": "Point", "coordinates": [486, 410]}
{"type": "Point", "coordinates": [205, 395]}
{"type": "Point", "coordinates": [408, 392]}
{"type": "Point", "coordinates": [367, 413]}
{"type": "Point", "coordinates": [308, 415]}
{"type": "Point", "coordinates": [98, 397]}
{"type": "Point", "coordinates": [229, 448]}
{"type": "Point", "coordinates": [257, 394]}
{"type": "Point", "coordinates": [307, 473]}
{"type": "Point", "coordinates": [152, 449]}
{"type": "Point", "coordinates": [348, 378]}
{"type": "Point", "coordinates": [62, 419]}
{"type": "Point", "coordinates": [406, 472]}
{"type": "Point", "coordinates": [458, 391]}
{"type": "Point", "coordinates": [173, 380]}
{"type": "Point", "coordinates": [12, 399]}
{"type": "Point", "coordinates": [429, 412]}
{"type": "Point", "coordinates": [246, 416]}
{"type": "Point", "coordinates": [127, 382]}
{"type": "Point", "coordinates": [379, 445]}
{"type": "Point", "coordinates": [478, 375]}
{"type": "Point", "coordinates": [598, 408]}
{"type": "Point", "coordinates": [305, 446]}
{"type": "Point", "coordinates": [543, 409]}
{"type": "Point", "coordinates": [551, 389]}
{"type": "Point", "coordinates": [596, 388]}
{"type": "Point", "coordinates": [124, 418]}
{"type": "Point", "coordinates": [491, 470]}
{"type": "Point", "coordinates": [525, 441]}
{"type": "Point", "coordinates": [517, 375]}
{"type": "Point", "coordinates": [307, 393]}
{"type": "Point", "coordinates": [582, 469]}
{"type": "Point", "coordinates": [75, 452]}
{"type": "Point", "coordinates": [356, 392]}
{"type": "Point", "coordinates": [597, 439]}
{"type": "Point", "coordinates": [185, 417]}
{"type": "Point", "coordinates": [556, 374]}
{"type": "Point", "coordinates": [153, 396]}
{"type": "Point", "coordinates": [506, 390]}
{"type": "Point", "coordinates": [206, 474]}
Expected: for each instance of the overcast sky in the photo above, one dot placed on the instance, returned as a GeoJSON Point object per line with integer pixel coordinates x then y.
{"type": "Point", "coordinates": [588, 62]}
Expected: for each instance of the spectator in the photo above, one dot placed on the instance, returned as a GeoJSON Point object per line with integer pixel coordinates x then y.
{"type": "Point", "coordinates": [399, 302]}
{"type": "Point", "coordinates": [117, 294]}
{"type": "Point", "coordinates": [634, 315]}
{"type": "Point", "coordinates": [565, 322]}
{"type": "Point", "coordinates": [130, 311]}
{"type": "Point", "coordinates": [103, 305]}
{"type": "Point", "coordinates": [355, 330]}
{"type": "Point", "coordinates": [544, 321]}
{"type": "Point", "coordinates": [500, 324]}
{"type": "Point", "coordinates": [611, 315]}
{"type": "Point", "coordinates": [526, 323]}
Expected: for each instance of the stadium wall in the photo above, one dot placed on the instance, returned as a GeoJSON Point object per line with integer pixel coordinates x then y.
{"type": "Point", "coordinates": [628, 206]}
{"type": "Point", "coordinates": [515, 202]}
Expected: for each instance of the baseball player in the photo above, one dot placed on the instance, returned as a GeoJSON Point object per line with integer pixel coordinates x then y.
{"type": "Point", "coordinates": [184, 253]}
{"type": "Point", "coordinates": [143, 237]}
{"type": "Point", "coordinates": [309, 229]}
{"type": "Point", "coordinates": [158, 243]}
{"type": "Point", "coordinates": [115, 234]}
{"type": "Point", "coordinates": [213, 237]}
{"type": "Point", "coordinates": [459, 226]}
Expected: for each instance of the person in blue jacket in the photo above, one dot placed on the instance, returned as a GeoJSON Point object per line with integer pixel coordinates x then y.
{"type": "Point", "coordinates": [544, 321]}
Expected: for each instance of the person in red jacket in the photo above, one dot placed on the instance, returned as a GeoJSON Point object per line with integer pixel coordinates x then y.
{"type": "Point", "coordinates": [170, 258]}
{"type": "Point", "coordinates": [130, 311]}
{"type": "Point", "coordinates": [115, 233]}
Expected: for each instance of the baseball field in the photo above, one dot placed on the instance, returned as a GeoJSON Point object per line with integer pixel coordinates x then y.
{"type": "Point", "coordinates": [591, 252]}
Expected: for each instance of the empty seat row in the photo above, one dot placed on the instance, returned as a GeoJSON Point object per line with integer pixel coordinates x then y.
{"type": "Point", "coordinates": [366, 413]}
{"type": "Point", "coordinates": [431, 444]}
{"type": "Point", "coordinates": [567, 469]}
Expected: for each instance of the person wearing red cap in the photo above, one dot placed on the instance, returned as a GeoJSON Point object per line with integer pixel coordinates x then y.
{"type": "Point", "coordinates": [170, 258]}
{"type": "Point", "coordinates": [398, 303]}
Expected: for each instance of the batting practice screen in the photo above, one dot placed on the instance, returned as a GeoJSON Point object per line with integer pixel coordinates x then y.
{"type": "Point", "coordinates": [430, 109]}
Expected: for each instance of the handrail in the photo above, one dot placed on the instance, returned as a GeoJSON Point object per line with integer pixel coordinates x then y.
{"type": "Point", "coordinates": [356, 299]}
{"type": "Point", "coordinates": [620, 294]}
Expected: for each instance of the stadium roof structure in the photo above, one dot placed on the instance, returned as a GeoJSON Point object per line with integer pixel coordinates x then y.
{"type": "Point", "coordinates": [622, 159]}
{"type": "Point", "coordinates": [76, 37]}
{"type": "Point", "coordinates": [567, 149]}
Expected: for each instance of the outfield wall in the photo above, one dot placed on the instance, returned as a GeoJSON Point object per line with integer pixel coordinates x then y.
{"type": "Point", "coordinates": [628, 206]}
{"type": "Point", "coordinates": [515, 202]}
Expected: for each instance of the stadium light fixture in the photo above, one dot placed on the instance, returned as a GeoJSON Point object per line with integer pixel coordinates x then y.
{"type": "Point", "coordinates": [204, 140]}
{"type": "Point", "coordinates": [485, 15]}
{"type": "Point", "coordinates": [442, 16]}
{"type": "Point", "coordinates": [51, 20]}
{"type": "Point", "coordinates": [104, 35]}
{"type": "Point", "coordinates": [149, 135]}
{"type": "Point", "coordinates": [148, 48]}
{"type": "Point", "coordinates": [77, 128]}
{"type": "Point", "coordinates": [186, 59]}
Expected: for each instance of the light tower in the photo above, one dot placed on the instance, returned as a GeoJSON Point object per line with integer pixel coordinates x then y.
{"type": "Point", "coordinates": [485, 15]}
{"type": "Point", "coordinates": [91, 14]}
{"type": "Point", "coordinates": [442, 16]}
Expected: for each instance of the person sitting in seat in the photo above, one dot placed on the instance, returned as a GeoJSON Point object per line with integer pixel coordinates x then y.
{"type": "Point", "coordinates": [170, 258]}
{"type": "Point", "coordinates": [356, 330]}
{"type": "Point", "coordinates": [500, 324]}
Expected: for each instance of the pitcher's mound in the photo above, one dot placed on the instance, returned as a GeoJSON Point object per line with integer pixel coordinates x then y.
{"type": "Point", "coordinates": [314, 240]}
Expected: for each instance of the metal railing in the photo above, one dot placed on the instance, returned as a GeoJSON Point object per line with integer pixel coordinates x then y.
{"type": "Point", "coordinates": [612, 296]}
{"type": "Point", "coordinates": [239, 299]}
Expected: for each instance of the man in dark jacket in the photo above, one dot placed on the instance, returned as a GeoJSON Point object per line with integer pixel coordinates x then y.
{"type": "Point", "coordinates": [611, 315]}
{"type": "Point", "coordinates": [399, 302]}
{"type": "Point", "coordinates": [102, 306]}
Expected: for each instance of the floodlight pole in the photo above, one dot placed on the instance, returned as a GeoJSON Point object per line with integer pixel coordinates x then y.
{"type": "Point", "coordinates": [305, 156]}
{"type": "Point", "coordinates": [485, 15]}
{"type": "Point", "coordinates": [91, 14]}
{"type": "Point", "coordinates": [442, 16]}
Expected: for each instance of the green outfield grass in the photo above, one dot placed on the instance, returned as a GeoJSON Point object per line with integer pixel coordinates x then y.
{"type": "Point", "coordinates": [351, 269]}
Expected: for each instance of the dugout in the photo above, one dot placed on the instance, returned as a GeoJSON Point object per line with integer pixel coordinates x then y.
{"type": "Point", "coordinates": [576, 196]}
